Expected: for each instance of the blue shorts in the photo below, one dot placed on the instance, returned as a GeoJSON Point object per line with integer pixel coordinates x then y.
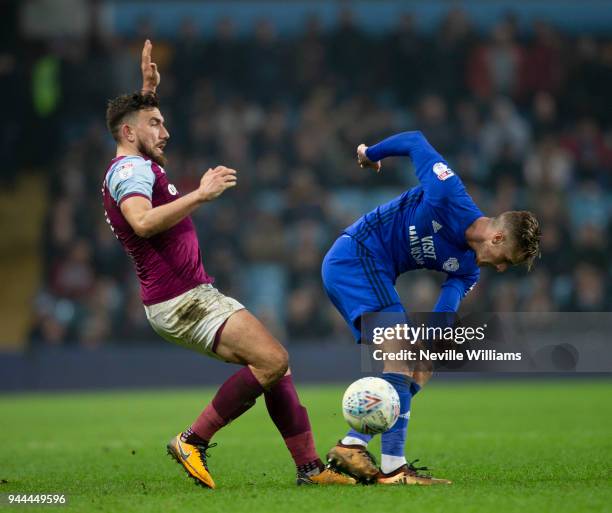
{"type": "Point", "coordinates": [357, 282]}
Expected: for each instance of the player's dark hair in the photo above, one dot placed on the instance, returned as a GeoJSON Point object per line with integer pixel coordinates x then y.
{"type": "Point", "coordinates": [118, 108]}
{"type": "Point", "coordinates": [524, 230]}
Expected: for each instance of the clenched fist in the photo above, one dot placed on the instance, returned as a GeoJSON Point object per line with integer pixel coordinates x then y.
{"type": "Point", "coordinates": [364, 161]}
{"type": "Point", "coordinates": [215, 181]}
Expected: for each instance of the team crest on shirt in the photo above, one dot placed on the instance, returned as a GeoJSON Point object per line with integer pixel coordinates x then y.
{"type": "Point", "coordinates": [125, 171]}
{"type": "Point", "coordinates": [172, 189]}
{"type": "Point", "coordinates": [442, 171]}
{"type": "Point", "coordinates": [451, 265]}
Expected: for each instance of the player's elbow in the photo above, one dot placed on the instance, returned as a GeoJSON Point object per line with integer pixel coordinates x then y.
{"type": "Point", "coordinates": [144, 234]}
{"type": "Point", "coordinates": [414, 137]}
{"type": "Point", "coordinates": [419, 135]}
{"type": "Point", "coordinates": [143, 229]}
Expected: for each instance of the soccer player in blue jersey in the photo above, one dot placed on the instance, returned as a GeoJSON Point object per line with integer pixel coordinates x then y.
{"type": "Point", "coordinates": [437, 226]}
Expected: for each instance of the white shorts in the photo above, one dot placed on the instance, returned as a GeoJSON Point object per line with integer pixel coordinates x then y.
{"type": "Point", "coordinates": [192, 319]}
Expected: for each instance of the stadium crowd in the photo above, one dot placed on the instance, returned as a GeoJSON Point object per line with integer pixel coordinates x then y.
{"type": "Point", "coordinates": [524, 117]}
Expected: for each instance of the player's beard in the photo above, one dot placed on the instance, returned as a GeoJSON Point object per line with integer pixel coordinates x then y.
{"type": "Point", "coordinates": [148, 152]}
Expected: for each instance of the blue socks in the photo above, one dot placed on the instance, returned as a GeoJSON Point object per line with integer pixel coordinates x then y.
{"type": "Point", "coordinates": [394, 440]}
{"type": "Point", "coordinates": [356, 438]}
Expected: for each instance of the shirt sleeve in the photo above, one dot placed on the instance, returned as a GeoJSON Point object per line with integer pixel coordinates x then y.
{"type": "Point", "coordinates": [439, 181]}
{"type": "Point", "coordinates": [454, 290]}
{"type": "Point", "coordinates": [132, 178]}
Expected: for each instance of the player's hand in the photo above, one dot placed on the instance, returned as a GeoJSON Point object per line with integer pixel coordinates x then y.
{"type": "Point", "coordinates": [215, 181]}
{"type": "Point", "coordinates": [150, 75]}
{"type": "Point", "coordinates": [364, 161]}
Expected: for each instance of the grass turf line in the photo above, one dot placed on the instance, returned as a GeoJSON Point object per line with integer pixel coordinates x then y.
{"type": "Point", "coordinates": [510, 446]}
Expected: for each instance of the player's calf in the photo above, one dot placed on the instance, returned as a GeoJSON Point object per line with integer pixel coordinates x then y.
{"type": "Point", "coordinates": [291, 420]}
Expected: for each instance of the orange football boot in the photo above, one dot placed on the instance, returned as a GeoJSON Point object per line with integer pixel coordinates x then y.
{"type": "Point", "coordinates": [327, 476]}
{"type": "Point", "coordinates": [193, 458]}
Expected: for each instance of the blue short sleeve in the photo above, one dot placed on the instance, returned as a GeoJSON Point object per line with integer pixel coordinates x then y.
{"type": "Point", "coordinates": [131, 176]}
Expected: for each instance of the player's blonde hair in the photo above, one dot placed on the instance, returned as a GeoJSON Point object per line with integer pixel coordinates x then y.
{"type": "Point", "coordinates": [524, 233]}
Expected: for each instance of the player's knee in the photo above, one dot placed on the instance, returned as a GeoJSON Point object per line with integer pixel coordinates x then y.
{"type": "Point", "coordinates": [281, 363]}
{"type": "Point", "coordinates": [422, 377]}
{"type": "Point", "coordinates": [277, 364]}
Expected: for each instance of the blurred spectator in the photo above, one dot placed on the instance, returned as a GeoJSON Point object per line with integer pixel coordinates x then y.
{"type": "Point", "coordinates": [548, 166]}
{"type": "Point", "coordinates": [504, 131]}
{"type": "Point", "coordinates": [451, 48]}
{"type": "Point", "coordinates": [226, 58]}
{"type": "Point", "coordinates": [188, 63]}
{"type": "Point", "coordinates": [589, 290]}
{"type": "Point", "coordinates": [305, 318]}
{"type": "Point", "coordinates": [403, 54]}
{"type": "Point", "coordinates": [311, 55]}
{"type": "Point", "coordinates": [593, 157]}
{"type": "Point", "coordinates": [350, 49]}
{"type": "Point", "coordinates": [494, 67]}
{"type": "Point", "coordinates": [266, 64]}
{"type": "Point", "coordinates": [545, 119]}
{"type": "Point", "coordinates": [432, 119]}
{"type": "Point", "coordinates": [73, 276]}
{"type": "Point", "coordinates": [543, 65]}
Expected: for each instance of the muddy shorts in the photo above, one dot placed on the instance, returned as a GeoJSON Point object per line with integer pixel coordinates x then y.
{"type": "Point", "coordinates": [193, 319]}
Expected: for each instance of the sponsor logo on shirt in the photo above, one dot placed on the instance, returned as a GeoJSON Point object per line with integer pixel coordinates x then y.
{"type": "Point", "coordinates": [172, 189]}
{"type": "Point", "coordinates": [421, 248]}
{"type": "Point", "coordinates": [451, 265]}
{"type": "Point", "coordinates": [442, 171]}
{"type": "Point", "coordinates": [429, 250]}
{"type": "Point", "coordinates": [436, 226]}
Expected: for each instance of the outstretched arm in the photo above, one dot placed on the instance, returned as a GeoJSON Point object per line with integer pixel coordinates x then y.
{"type": "Point", "coordinates": [147, 220]}
{"type": "Point", "coordinates": [150, 74]}
{"type": "Point", "coordinates": [431, 168]}
{"type": "Point", "coordinates": [405, 144]}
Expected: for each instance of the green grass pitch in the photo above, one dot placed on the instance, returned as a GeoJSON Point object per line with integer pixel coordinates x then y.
{"type": "Point", "coordinates": [508, 446]}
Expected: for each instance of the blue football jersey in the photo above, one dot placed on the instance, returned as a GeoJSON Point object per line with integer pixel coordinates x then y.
{"type": "Point", "coordinates": [425, 226]}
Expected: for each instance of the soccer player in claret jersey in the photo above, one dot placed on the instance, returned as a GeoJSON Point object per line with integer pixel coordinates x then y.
{"type": "Point", "coordinates": [437, 226]}
{"type": "Point", "coordinates": [152, 221]}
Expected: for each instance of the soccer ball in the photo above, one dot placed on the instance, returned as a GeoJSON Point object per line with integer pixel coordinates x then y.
{"type": "Point", "coordinates": [371, 405]}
